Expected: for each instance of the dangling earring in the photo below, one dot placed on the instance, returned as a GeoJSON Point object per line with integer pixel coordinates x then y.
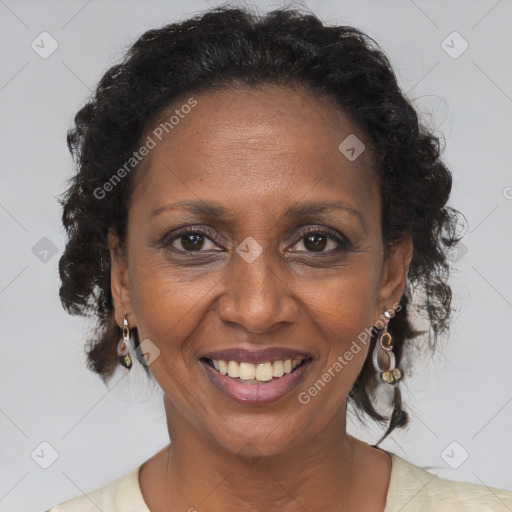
{"type": "Point", "coordinates": [384, 358]}
{"type": "Point", "coordinates": [123, 355]}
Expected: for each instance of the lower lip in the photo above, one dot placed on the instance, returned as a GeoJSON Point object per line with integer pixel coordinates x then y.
{"type": "Point", "coordinates": [254, 394]}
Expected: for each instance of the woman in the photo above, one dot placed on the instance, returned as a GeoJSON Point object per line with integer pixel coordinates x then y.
{"type": "Point", "coordinates": [255, 202]}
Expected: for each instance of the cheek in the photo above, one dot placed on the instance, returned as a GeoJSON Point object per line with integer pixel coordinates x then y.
{"type": "Point", "coordinates": [168, 307]}
{"type": "Point", "coordinates": [345, 301]}
{"type": "Point", "coordinates": [168, 311]}
{"type": "Point", "coordinates": [342, 310]}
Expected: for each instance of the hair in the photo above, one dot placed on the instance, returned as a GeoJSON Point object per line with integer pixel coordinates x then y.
{"type": "Point", "coordinates": [225, 47]}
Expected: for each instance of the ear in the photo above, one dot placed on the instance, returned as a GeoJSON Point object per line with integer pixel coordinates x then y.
{"type": "Point", "coordinates": [120, 283]}
{"type": "Point", "coordinates": [394, 276]}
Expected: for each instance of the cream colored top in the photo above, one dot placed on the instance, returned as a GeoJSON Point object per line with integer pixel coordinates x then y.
{"type": "Point", "coordinates": [411, 489]}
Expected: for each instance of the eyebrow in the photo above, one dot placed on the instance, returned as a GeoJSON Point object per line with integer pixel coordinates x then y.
{"type": "Point", "coordinates": [295, 211]}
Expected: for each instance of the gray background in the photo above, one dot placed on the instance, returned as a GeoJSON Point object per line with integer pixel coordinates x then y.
{"type": "Point", "coordinates": [462, 395]}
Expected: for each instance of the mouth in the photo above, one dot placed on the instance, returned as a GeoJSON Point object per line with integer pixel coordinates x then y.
{"type": "Point", "coordinates": [256, 383]}
{"type": "Point", "coordinates": [250, 373]}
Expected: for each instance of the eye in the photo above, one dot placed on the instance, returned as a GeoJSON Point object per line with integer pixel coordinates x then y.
{"type": "Point", "coordinates": [317, 239]}
{"type": "Point", "coordinates": [191, 240]}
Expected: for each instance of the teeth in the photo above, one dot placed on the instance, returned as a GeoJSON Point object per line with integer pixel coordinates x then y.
{"type": "Point", "coordinates": [233, 369]}
{"type": "Point", "coordinates": [246, 371]}
{"type": "Point", "coordinates": [223, 366]}
{"type": "Point", "coordinates": [277, 368]}
{"type": "Point", "coordinates": [262, 372]}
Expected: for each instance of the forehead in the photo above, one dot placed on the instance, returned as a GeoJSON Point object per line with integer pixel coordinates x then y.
{"type": "Point", "coordinates": [266, 145]}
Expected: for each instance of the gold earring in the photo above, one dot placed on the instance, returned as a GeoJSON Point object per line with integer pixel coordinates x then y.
{"type": "Point", "coordinates": [384, 358]}
{"type": "Point", "coordinates": [123, 354]}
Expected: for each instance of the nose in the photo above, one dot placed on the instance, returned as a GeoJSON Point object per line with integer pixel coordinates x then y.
{"type": "Point", "coordinates": [257, 296]}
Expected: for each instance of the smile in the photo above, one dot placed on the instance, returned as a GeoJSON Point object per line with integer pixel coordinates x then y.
{"type": "Point", "coordinates": [262, 372]}
{"type": "Point", "coordinates": [260, 383]}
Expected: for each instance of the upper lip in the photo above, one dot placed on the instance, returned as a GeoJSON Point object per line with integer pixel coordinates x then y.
{"type": "Point", "coordinates": [255, 356]}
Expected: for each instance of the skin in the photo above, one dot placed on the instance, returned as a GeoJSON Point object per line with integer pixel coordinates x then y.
{"type": "Point", "coordinates": [256, 153]}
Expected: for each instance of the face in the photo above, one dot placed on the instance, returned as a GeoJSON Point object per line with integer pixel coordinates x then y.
{"type": "Point", "coordinates": [254, 266]}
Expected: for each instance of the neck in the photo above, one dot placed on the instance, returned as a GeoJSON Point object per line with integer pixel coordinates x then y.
{"type": "Point", "coordinates": [322, 472]}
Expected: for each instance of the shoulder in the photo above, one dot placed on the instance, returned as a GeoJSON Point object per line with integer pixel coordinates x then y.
{"type": "Point", "coordinates": [413, 489]}
{"type": "Point", "coordinates": [121, 495]}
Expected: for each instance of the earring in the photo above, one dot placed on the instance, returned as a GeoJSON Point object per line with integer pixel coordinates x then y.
{"type": "Point", "coordinates": [123, 355]}
{"type": "Point", "coordinates": [384, 358]}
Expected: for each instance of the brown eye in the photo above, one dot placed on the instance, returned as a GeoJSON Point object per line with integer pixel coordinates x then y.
{"type": "Point", "coordinates": [192, 242]}
{"type": "Point", "coordinates": [315, 242]}
{"type": "Point", "coordinates": [323, 240]}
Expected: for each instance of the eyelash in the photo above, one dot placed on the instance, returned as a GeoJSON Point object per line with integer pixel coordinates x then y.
{"type": "Point", "coordinates": [209, 233]}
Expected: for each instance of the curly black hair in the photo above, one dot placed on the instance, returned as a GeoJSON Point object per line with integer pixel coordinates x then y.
{"type": "Point", "coordinates": [226, 47]}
